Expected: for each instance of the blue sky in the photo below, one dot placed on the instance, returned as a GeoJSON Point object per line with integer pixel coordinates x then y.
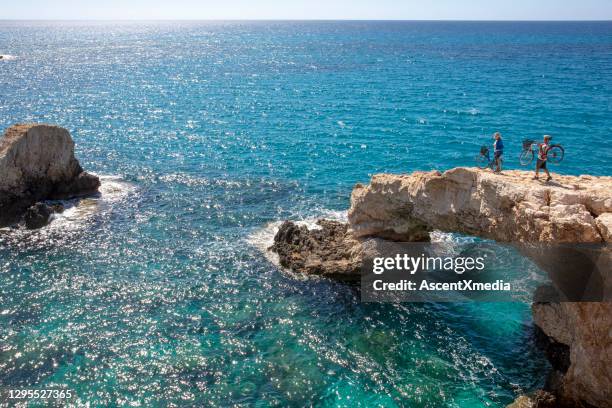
{"type": "Point", "coordinates": [310, 9]}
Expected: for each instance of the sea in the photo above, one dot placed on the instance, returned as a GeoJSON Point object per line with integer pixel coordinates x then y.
{"type": "Point", "coordinates": [161, 291]}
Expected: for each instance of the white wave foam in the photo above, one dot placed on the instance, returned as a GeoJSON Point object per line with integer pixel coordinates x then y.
{"type": "Point", "coordinates": [334, 215]}
{"type": "Point", "coordinates": [263, 238]}
{"type": "Point", "coordinates": [439, 236]}
{"type": "Point", "coordinates": [7, 57]}
{"type": "Point", "coordinates": [114, 188]}
{"type": "Point", "coordinates": [78, 211]}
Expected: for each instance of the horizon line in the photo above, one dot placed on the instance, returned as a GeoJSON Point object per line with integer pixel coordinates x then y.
{"type": "Point", "coordinates": [309, 19]}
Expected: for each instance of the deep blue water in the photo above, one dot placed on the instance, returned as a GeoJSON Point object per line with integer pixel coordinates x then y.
{"type": "Point", "coordinates": [210, 131]}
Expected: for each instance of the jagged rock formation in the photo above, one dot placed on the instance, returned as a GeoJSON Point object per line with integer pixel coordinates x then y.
{"type": "Point", "coordinates": [510, 208]}
{"type": "Point", "coordinates": [586, 329]}
{"type": "Point", "coordinates": [37, 163]}
{"type": "Point", "coordinates": [37, 216]}
{"type": "Point", "coordinates": [327, 250]}
{"type": "Point", "coordinates": [507, 207]}
{"type": "Point", "coordinates": [539, 399]}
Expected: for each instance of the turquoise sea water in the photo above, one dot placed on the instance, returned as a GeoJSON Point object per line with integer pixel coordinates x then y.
{"type": "Point", "coordinates": [207, 134]}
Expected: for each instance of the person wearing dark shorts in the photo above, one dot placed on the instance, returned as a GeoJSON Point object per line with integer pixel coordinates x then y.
{"type": "Point", "coordinates": [498, 151]}
{"type": "Point", "coordinates": [542, 158]}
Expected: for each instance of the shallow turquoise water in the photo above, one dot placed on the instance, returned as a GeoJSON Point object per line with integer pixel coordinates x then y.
{"type": "Point", "coordinates": [211, 131]}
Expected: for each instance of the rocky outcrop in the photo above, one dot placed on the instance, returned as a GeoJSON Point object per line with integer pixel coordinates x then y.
{"type": "Point", "coordinates": [40, 214]}
{"type": "Point", "coordinates": [37, 216]}
{"type": "Point", "coordinates": [539, 399]}
{"type": "Point", "coordinates": [587, 329]}
{"type": "Point", "coordinates": [604, 225]}
{"type": "Point", "coordinates": [37, 163]}
{"type": "Point", "coordinates": [508, 207]}
{"type": "Point", "coordinates": [328, 250]}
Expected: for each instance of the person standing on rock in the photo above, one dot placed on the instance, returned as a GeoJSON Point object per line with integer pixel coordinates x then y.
{"type": "Point", "coordinates": [498, 151]}
{"type": "Point", "coordinates": [543, 149]}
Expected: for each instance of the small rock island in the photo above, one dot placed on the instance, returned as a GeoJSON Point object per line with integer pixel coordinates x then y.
{"type": "Point", "coordinates": [37, 163]}
{"type": "Point", "coordinates": [508, 207]}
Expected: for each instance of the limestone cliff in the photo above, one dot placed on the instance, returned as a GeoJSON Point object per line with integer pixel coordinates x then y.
{"type": "Point", "coordinates": [507, 207]}
{"type": "Point", "coordinates": [510, 207]}
{"type": "Point", "coordinates": [587, 329]}
{"type": "Point", "coordinates": [37, 163]}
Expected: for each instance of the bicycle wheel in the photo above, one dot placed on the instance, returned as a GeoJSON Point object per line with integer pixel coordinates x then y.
{"type": "Point", "coordinates": [526, 157]}
{"type": "Point", "coordinates": [555, 154]}
{"type": "Point", "coordinates": [482, 162]}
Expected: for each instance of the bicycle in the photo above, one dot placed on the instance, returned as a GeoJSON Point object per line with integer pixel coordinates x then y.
{"type": "Point", "coordinates": [484, 161]}
{"type": "Point", "coordinates": [530, 148]}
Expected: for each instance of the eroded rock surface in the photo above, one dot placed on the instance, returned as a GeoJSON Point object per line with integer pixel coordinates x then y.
{"type": "Point", "coordinates": [37, 163]}
{"type": "Point", "coordinates": [511, 208]}
{"type": "Point", "coordinates": [587, 329]}
{"type": "Point", "coordinates": [539, 399]}
{"type": "Point", "coordinates": [37, 216]}
{"type": "Point", "coordinates": [328, 250]}
{"type": "Point", "coordinates": [507, 207]}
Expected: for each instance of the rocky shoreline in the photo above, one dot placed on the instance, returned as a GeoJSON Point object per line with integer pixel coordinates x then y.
{"type": "Point", "coordinates": [37, 163]}
{"type": "Point", "coordinates": [507, 207]}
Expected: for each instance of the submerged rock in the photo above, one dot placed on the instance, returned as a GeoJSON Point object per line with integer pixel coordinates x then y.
{"type": "Point", "coordinates": [57, 208]}
{"type": "Point", "coordinates": [37, 163]}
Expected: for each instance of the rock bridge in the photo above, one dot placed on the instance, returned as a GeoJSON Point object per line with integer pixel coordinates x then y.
{"type": "Point", "coordinates": [509, 207]}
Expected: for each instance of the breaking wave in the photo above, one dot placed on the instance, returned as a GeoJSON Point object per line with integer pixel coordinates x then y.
{"type": "Point", "coordinates": [263, 238]}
